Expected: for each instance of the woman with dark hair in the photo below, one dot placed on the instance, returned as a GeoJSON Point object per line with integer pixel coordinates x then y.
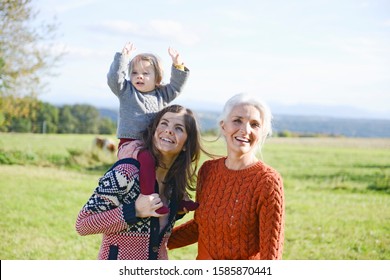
{"type": "Point", "coordinates": [127, 219]}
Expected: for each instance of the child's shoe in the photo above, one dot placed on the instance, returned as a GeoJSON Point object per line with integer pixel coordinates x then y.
{"type": "Point", "coordinates": [162, 210]}
{"type": "Point", "coordinates": [188, 204]}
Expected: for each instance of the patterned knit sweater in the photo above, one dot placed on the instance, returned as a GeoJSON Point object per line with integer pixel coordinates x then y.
{"type": "Point", "coordinates": [111, 211]}
{"type": "Point", "coordinates": [241, 214]}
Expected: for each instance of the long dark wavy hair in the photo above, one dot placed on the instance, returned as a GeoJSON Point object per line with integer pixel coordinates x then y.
{"type": "Point", "coordinates": [181, 176]}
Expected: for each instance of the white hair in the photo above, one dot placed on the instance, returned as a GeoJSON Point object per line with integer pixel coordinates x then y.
{"type": "Point", "coordinates": [246, 99]}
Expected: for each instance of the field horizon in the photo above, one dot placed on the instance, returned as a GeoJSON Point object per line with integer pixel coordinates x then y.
{"type": "Point", "coordinates": [301, 124]}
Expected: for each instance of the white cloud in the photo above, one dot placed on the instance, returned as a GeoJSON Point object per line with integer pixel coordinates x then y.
{"type": "Point", "coordinates": [155, 28]}
{"type": "Point", "coordinates": [80, 52]}
{"type": "Point", "coordinates": [117, 26]}
{"type": "Point", "coordinates": [236, 15]}
{"type": "Point", "coordinates": [66, 6]}
{"type": "Point", "coordinates": [363, 48]}
{"type": "Point", "coordinates": [174, 30]}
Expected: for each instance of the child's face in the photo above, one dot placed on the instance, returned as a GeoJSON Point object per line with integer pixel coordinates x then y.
{"type": "Point", "coordinates": [143, 77]}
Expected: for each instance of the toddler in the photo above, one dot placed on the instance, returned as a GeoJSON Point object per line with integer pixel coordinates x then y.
{"type": "Point", "coordinates": [140, 98]}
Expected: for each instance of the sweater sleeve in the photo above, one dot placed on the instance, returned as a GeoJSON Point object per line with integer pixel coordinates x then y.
{"type": "Point", "coordinates": [183, 235]}
{"type": "Point", "coordinates": [106, 211]}
{"type": "Point", "coordinates": [176, 84]}
{"type": "Point", "coordinates": [116, 77]}
{"type": "Point", "coordinates": [272, 212]}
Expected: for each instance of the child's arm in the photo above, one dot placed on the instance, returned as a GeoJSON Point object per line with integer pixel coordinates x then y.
{"type": "Point", "coordinates": [116, 77]}
{"type": "Point", "coordinates": [179, 75]}
{"type": "Point", "coordinates": [176, 59]}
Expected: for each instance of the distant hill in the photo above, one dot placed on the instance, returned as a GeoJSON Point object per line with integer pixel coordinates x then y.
{"type": "Point", "coordinates": [300, 109]}
{"type": "Point", "coordinates": [348, 127]}
{"type": "Point", "coordinates": [109, 113]}
{"type": "Point", "coordinates": [333, 126]}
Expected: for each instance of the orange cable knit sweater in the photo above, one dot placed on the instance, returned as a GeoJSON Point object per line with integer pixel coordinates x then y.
{"type": "Point", "coordinates": [241, 214]}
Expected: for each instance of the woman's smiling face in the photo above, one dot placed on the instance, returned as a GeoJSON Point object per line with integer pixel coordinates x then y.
{"type": "Point", "coordinates": [242, 129]}
{"type": "Point", "coordinates": [171, 134]}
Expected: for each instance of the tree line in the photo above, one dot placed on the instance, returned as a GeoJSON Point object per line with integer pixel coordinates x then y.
{"type": "Point", "coordinates": [34, 116]}
{"type": "Point", "coordinates": [28, 53]}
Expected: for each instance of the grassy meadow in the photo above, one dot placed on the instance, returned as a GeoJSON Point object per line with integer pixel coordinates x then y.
{"type": "Point", "coordinates": [337, 194]}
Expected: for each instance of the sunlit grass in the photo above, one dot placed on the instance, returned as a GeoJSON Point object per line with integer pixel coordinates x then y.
{"type": "Point", "coordinates": [336, 191]}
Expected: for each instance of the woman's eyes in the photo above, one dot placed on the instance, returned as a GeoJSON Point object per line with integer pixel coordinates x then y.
{"type": "Point", "coordinates": [254, 124]}
{"type": "Point", "coordinates": [177, 128]}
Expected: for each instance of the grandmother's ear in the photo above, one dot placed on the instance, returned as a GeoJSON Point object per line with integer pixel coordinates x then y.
{"type": "Point", "coordinates": [222, 125]}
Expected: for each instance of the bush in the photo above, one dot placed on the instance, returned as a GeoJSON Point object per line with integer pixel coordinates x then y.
{"type": "Point", "coordinates": [381, 183]}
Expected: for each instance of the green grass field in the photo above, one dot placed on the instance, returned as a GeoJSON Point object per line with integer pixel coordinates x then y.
{"type": "Point", "coordinates": [337, 193]}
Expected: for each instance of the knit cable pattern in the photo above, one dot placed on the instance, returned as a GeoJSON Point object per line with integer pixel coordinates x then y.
{"type": "Point", "coordinates": [241, 213]}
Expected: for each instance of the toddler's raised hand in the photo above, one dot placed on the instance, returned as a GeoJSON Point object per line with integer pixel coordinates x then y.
{"type": "Point", "coordinates": [176, 58]}
{"type": "Point", "coordinates": [128, 49]}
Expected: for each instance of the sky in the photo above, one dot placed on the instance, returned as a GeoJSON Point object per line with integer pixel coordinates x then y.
{"type": "Point", "coordinates": [321, 57]}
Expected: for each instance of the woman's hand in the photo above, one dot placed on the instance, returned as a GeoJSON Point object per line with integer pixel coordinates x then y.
{"type": "Point", "coordinates": [146, 205]}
